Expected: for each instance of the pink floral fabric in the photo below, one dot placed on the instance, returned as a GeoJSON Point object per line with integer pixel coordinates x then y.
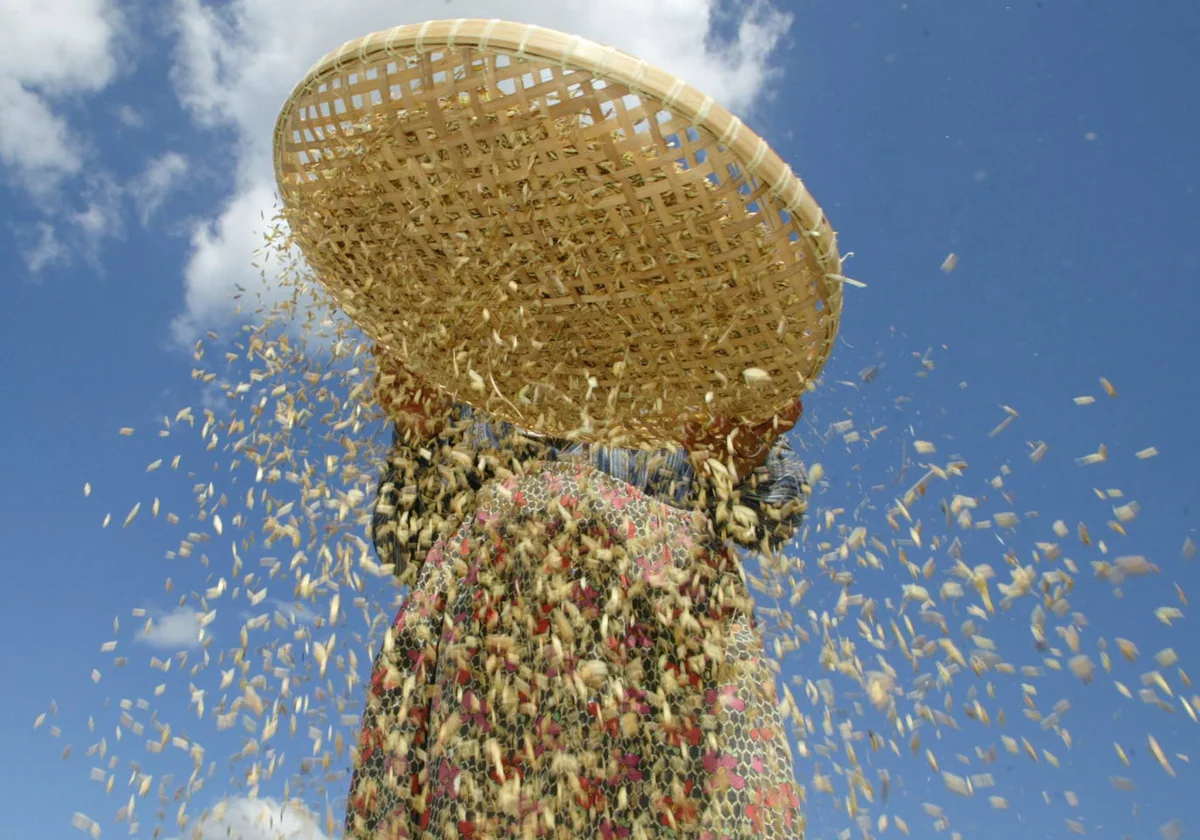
{"type": "Point", "coordinates": [576, 660]}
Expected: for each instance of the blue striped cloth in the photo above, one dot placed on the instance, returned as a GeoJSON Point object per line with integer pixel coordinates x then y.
{"type": "Point", "coordinates": [665, 474]}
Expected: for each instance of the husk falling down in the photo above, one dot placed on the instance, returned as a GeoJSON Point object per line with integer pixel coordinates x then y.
{"type": "Point", "coordinates": [294, 483]}
{"type": "Point", "coordinates": [282, 520]}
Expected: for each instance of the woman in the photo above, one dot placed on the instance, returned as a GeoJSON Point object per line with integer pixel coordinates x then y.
{"type": "Point", "coordinates": [521, 211]}
{"type": "Point", "coordinates": [577, 655]}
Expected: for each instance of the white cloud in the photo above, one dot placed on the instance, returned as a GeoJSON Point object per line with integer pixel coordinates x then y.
{"type": "Point", "coordinates": [214, 396]}
{"type": "Point", "coordinates": [222, 251]}
{"type": "Point", "coordinates": [101, 216]}
{"type": "Point", "coordinates": [48, 250]}
{"type": "Point", "coordinates": [52, 53]}
{"type": "Point", "coordinates": [239, 818]}
{"type": "Point", "coordinates": [156, 182]}
{"type": "Point", "coordinates": [51, 50]}
{"type": "Point", "coordinates": [34, 140]}
{"type": "Point", "coordinates": [129, 116]}
{"type": "Point", "coordinates": [236, 63]}
{"type": "Point", "coordinates": [177, 630]}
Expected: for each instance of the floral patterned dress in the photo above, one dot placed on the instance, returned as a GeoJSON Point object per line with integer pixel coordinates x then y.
{"type": "Point", "coordinates": [577, 656]}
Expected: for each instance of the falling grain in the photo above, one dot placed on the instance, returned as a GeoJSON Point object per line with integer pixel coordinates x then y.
{"type": "Point", "coordinates": [1160, 755]}
{"type": "Point", "coordinates": [306, 516]}
{"type": "Point", "coordinates": [1166, 658]}
{"type": "Point", "coordinates": [86, 824]}
{"type": "Point", "coordinates": [1121, 754]}
{"type": "Point", "coordinates": [1005, 423]}
{"type": "Point", "coordinates": [1172, 830]}
{"type": "Point", "coordinates": [1006, 520]}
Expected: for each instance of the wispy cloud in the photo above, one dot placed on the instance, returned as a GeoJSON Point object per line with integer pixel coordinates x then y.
{"type": "Point", "coordinates": [158, 180]}
{"type": "Point", "coordinates": [177, 630]}
{"type": "Point", "coordinates": [101, 216]}
{"type": "Point", "coordinates": [214, 396]}
{"type": "Point", "coordinates": [129, 116]}
{"type": "Point", "coordinates": [46, 249]}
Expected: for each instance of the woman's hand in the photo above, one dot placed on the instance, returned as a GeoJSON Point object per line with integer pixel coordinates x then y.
{"type": "Point", "coordinates": [748, 444]}
{"type": "Point", "coordinates": [418, 409]}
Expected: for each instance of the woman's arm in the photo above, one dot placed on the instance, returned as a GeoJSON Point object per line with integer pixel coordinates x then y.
{"type": "Point", "coordinates": [777, 491]}
{"type": "Point", "coordinates": [419, 410]}
{"type": "Point", "coordinates": [413, 497]}
{"type": "Point", "coordinates": [768, 477]}
{"type": "Point", "coordinates": [747, 445]}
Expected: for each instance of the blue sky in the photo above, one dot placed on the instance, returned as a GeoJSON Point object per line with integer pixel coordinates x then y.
{"type": "Point", "coordinates": [1050, 145]}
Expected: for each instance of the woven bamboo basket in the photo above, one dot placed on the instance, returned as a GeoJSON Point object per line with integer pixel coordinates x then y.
{"type": "Point", "coordinates": [555, 231]}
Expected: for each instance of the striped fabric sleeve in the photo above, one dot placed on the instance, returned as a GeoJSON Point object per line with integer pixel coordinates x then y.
{"type": "Point", "coordinates": [780, 479]}
{"type": "Point", "coordinates": [776, 492]}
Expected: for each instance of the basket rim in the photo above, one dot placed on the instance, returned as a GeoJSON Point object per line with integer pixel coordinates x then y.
{"type": "Point", "coordinates": [539, 43]}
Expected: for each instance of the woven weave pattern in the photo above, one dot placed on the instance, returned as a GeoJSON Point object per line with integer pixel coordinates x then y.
{"type": "Point", "coordinates": [562, 248]}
